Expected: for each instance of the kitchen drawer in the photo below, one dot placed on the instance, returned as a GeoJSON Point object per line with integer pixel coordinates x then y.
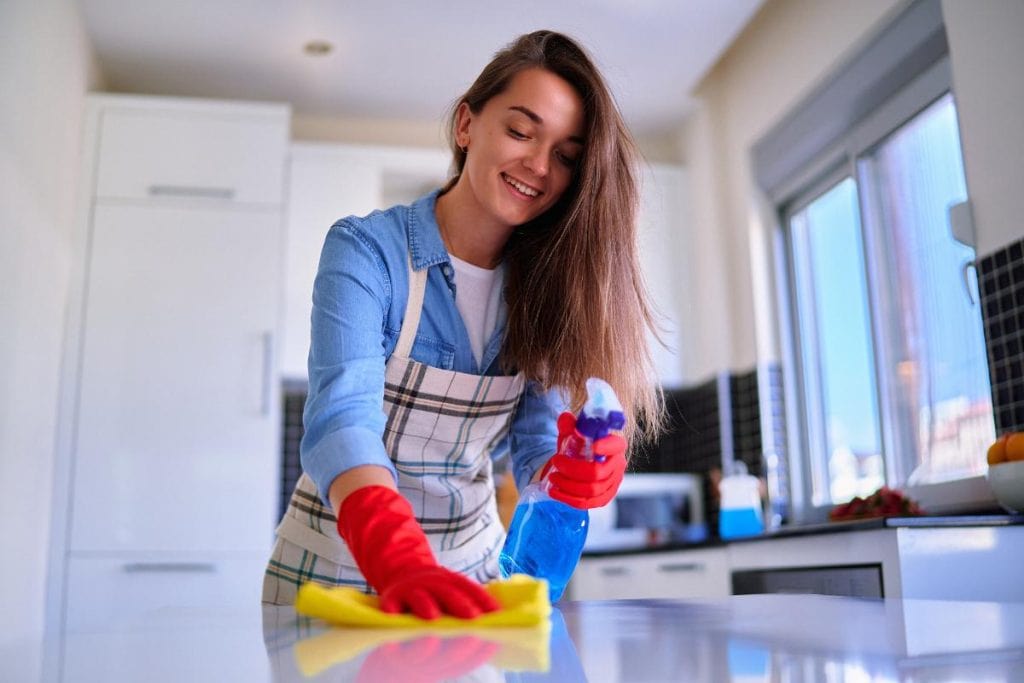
{"type": "Point", "coordinates": [213, 650]}
{"type": "Point", "coordinates": [699, 573]}
{"type": "Point", "coordinates": [140, 590]}
{"type": "Point", "coordinates": [224, 155]}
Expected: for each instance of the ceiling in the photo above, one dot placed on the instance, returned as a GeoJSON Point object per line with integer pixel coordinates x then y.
{"type": "Point", "coordinates": [402, 60]}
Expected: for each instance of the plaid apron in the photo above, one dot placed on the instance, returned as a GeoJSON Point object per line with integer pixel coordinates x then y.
{"type": "Point", "coordinates": [441, 428]}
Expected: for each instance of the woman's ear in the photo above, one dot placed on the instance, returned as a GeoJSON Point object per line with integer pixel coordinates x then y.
{"type": "Point", "coordinates": [463, 116]}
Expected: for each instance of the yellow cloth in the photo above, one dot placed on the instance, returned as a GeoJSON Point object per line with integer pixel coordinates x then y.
{"type": "Point", "coordinates": [523, 599]}
{"type": "Point", "coordinates": [524, 603]}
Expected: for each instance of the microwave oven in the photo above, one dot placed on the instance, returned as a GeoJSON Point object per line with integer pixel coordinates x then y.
{"type": "Point", "coordinates": [649, 510]}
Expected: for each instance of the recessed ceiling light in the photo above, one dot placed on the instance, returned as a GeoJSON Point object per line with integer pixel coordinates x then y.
{"type": "Point", "coordinates": [317, 48]}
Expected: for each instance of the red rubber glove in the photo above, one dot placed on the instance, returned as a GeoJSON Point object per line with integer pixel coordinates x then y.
{"type": "Point", "coordinates": [394, 556]}
{"type": "Point", "coordinates": [582, 483]}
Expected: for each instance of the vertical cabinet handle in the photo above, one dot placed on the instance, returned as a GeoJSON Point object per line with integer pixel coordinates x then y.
{"type": "Point", "coordinates": [267, 373]}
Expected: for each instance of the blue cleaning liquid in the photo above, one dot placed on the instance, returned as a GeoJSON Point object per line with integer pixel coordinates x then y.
{"type": "Point", "coordinates": [734, 522]}
{"type": "Point", "coordinates": [545, 540]}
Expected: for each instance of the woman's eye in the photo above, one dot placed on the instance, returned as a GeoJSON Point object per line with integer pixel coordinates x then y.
{"type": "Point", "coordinates": [516, 134]}
{"type": "Point", "coordinates": [566, 159]}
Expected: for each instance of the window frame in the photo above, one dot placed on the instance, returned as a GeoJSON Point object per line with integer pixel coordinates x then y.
{"type": "Point", "coordinates": [844, 158]}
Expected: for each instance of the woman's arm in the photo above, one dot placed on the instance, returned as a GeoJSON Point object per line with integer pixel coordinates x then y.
{"type": "Point", "coordinates": [533, 435]}
{"type": "Point", "coordinates": [344, 423]}
{"type": "Point", "coordinates": [356, 478]}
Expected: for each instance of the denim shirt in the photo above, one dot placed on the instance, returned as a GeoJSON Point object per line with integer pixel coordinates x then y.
{"type": "Point", "coordinates": [359, 299]}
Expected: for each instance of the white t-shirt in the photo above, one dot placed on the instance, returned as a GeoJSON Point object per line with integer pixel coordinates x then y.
{"type": "Point", "coordinates": [478, 297]}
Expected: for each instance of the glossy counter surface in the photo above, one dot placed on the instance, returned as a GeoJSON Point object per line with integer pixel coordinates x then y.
{"type": "Point", "coordinates": [743, 638]}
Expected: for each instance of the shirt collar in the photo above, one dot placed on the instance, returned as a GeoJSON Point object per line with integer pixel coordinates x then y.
{"type": "Point", "coordinates": [425, 243]}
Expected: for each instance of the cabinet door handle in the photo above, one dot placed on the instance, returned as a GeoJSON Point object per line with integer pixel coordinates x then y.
{"type": "Point", "coordinates": [167, 567]}
{"type": "Point", "coordinates": [189, 191]}
{"type": "Point", "coordinates": [614, 571]}
{"type": "Point", "coordinates": [267, 370]}
{"type": "Point", "coordinates": [681, 567]}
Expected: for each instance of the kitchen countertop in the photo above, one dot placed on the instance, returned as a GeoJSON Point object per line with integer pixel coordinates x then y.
{"type": "Point", "coordinates": [919, 522]}
{"type": "Point", "coordinates": [742, 638]}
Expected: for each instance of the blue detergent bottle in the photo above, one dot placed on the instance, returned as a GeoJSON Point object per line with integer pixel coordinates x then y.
{"type": "Point", "coordinates": [740, 512]}
{"type": "Point", "coordinates": [546, 537]}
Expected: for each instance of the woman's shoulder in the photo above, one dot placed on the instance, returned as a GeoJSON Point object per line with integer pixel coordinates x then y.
{"type": "Point", "coordinates": [386, 230]}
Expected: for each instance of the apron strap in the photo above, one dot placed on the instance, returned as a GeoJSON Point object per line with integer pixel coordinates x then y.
{"type": "Point", "coordinates": [413, 307]}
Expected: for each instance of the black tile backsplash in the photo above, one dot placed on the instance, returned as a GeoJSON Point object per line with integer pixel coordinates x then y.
{"type": "Point", "coordinates": [746, 421]}
{"type": "Point", "coordinates": [1001, 284]}
{"type": "Point", "coordinates": [293, 397]}
{"type": "Point", "coordinates": [693, 439]}
{"type": "Point", "coordinates": [691, 442]}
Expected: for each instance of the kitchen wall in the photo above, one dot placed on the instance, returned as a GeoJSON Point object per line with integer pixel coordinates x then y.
{"type": "Point", "coordinates": [46, 66]}
{"type": "Point", "coordinates": [368, 131]}
{"type": "Point", "coordinates": [789, 48]}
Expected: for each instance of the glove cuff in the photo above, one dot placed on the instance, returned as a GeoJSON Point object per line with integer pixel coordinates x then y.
{"type": "Point", "coordinates": [382, 533]}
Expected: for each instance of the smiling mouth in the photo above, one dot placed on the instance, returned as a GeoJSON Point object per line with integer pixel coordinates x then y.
{"type": "Point", "coordinates": [522, 188]}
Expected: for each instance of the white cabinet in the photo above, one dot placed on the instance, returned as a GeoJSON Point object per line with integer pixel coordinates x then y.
{"type": "Point", "coordinates": [187, 152]}
{"type": "Point", "coordinates": [175, 424]}
{"type": "Point", "coordinates": [128, 591]}
{"type": "Point", "coordinates": [934, 563]}
{"type": "Point", "coordinates": [696, 573]}
{"type": "Point", "coordinates": [172, 414]}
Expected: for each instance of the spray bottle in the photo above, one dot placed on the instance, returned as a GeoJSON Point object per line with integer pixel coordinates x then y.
{"type": "Point", "coordinates": [546, 537]}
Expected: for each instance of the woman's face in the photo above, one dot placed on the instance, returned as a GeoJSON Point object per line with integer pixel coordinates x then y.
{"type": "Point", "coordinates": [522, 146]}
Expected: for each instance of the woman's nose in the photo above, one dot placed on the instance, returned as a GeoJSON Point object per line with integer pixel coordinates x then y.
{"type": "Point", "coordinates": [537, 162]}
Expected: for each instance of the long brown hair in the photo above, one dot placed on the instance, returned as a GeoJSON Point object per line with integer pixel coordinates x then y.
{"type": "Point", "coordinates": [577, 304]}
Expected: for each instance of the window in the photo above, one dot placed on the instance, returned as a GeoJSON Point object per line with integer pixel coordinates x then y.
{"type": "Point", "coordinates": [884, 358]}
{"type": "Point", "coordinates": [889, 347]}
{"type": "Point", "coordinates": [930, 335]}
{"type": "Point", "coordinates": [836, 354]}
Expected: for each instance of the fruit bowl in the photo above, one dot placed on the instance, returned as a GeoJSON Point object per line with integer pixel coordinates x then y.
{"type": "Point", "coordinates": [1007, 482]}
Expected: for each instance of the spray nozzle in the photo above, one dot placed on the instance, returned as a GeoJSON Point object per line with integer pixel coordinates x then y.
{"type": "Point", "coordinates": [601, 413]}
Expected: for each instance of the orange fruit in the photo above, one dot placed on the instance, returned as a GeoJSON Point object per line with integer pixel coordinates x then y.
{"type": "Point", "coordinates": [1015, 446]}
{"type": "Point", "coordinates": [997, 451]}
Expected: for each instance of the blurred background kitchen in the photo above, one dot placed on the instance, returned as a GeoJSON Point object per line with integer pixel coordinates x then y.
{"type": "Point", "coordinates": [831, 231]}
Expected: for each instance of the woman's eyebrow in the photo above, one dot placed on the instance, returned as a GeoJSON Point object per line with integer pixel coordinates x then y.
{"type": "Point", "coordinates": [535, 117]}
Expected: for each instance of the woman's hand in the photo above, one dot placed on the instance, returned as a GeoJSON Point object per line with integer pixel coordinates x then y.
{"type": "Point", "coordinates": [395, 558]}
{"type": "Point", "coordinates": [582, 483]}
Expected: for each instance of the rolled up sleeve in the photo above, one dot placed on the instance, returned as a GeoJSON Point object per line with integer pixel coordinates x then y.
{"type": "Point", "coordinates": [343, 417]}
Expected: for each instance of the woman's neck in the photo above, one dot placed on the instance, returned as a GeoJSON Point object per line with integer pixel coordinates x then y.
{"type": "Point", "coordinates": [468, 233]}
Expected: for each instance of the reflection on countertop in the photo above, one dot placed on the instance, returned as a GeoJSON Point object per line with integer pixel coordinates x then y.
{"type": "Point", "coordinates": [742, 638]}
{"type": "Point", "coordinates": [745, 638]}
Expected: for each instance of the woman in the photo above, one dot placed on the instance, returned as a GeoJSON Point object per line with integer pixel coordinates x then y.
{"type": "Point", "coordinates": [473, 317]}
